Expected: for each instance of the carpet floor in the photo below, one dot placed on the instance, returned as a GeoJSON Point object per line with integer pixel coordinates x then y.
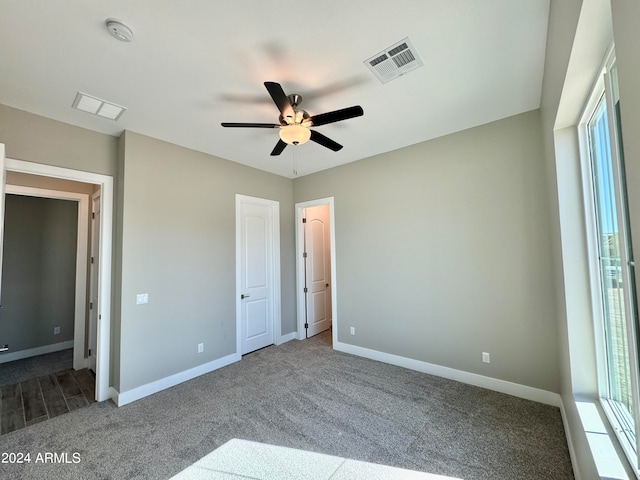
{"type": "Point", "coordinates": [306, 396]}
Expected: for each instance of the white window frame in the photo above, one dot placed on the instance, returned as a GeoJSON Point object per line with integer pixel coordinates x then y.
{"type": "Point", "coordinates": [602, 87]}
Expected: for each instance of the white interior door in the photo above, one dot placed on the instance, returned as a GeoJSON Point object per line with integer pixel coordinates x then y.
{"type": "Point", "coordinates": [94, 282]}
{"type": "Point", "coordinates": [317, 239]}
{"type": "Point", "coordinates": [257, 272]}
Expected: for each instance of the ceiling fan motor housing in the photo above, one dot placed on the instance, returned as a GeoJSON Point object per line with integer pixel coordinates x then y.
{"type": "Point", "coordinates": [299, 116]}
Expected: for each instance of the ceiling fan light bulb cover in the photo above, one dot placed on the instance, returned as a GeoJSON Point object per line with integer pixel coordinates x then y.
{"type": "Point", "coordinates": [295, 134]}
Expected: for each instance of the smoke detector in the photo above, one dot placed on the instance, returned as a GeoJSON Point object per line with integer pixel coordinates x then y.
{"type": "Point", "coordinates": [119, 30]}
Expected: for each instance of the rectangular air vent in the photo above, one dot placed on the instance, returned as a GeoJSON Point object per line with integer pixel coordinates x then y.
{"type": "Point", "coordinates": [102, 108]}
{"type": "Point", "coordinates": [394, 61]}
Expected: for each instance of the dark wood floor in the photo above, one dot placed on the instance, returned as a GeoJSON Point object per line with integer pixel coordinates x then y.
{"type": "Point", "coordinates": [37, 400]}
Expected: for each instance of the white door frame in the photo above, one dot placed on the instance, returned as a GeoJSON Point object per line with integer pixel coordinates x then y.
{"type": "Point", "coordinates": [103, 391]}
{"type": "Point", "coordinates": [93, 281]}
{"type": "Point", "coordinates": [3, 162]}
{"type": "Point", "coordinates": [277, 310]}
{"type": "Point", "coordinates": [300, 265]}
{"type": "Point", "coordinates": [82, 241]}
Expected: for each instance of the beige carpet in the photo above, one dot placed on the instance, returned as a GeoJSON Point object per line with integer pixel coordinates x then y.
{"type": "Point", "coordinates": [305, 396]}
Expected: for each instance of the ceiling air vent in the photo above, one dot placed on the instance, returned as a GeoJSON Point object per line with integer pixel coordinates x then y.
{"type": "Point", "coordinates": [102, 108]}
{"type": "Point", "coordinates": [398, 59]}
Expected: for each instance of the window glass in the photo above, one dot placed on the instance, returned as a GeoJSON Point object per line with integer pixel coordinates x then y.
{"type": "Point", "coordinates": [615, 264]}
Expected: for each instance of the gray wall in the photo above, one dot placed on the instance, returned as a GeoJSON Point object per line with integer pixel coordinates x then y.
{"type": "Point", "coordinates": [177, 231]}
{"type": "Point", "coordinates": [38, 139]}
{"type": "Point", "coordinates": [38, 281]}
{"type": "Point", "coordinates": [443, 252]}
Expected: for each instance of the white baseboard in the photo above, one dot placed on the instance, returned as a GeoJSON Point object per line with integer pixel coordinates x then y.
{"type": "Point", "coordinates": [286, 338]}
{"type": "Point", "coordinates": [515, 389]}
{"type": "Point", "coordinates": [113, 395]}
{"type": "Point", "coordinates": [123, 398]}
{"type": "Point", "coordinates": [33, 352]}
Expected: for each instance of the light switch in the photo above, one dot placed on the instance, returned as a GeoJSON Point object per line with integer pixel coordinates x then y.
{"type": "Point", "coordinates": [142, 298]}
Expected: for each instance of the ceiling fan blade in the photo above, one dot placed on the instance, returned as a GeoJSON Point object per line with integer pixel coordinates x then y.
{"type": "Point", "coordinates": [280, 146]}
{"type": "Point", "coordinates": [336, 115]}
{"type": "Point", "coordinates": [281, 101]}
{"type": "Point", "coordinates": [325, 141]}
{"type": "Point", "coordinates": [251, 125]}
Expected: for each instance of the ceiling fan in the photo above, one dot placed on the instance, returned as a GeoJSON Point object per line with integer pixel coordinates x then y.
{"type": "Point", "coordinates": [294, 122]}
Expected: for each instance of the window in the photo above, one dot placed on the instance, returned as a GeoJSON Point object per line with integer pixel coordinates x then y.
{"type": "Point", "coordinates": [613, 276]}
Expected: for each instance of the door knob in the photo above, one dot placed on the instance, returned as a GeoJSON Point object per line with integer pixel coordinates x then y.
{"type": "Point", "coordinates": [243, 296]}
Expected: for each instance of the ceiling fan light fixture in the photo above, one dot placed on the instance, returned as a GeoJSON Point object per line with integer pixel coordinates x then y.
{"type": "Point", "coordinates": [295, 134]}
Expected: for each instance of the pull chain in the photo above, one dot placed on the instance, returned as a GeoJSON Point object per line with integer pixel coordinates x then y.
{"type": "Point", "coordinates": [293, 162]}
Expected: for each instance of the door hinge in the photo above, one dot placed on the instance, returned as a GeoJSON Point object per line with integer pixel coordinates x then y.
{"type": "Point", "coordinates": [304, 254]}
{"type": "Point", "coordinates": [89, 352]}
{"type": "Point", "coordinates": [90, 305]}
{"type": "Point", "coordinates": [93, 215]}
{"type": "Point", "coordinates": [304, 220]}
{"type": "Point", "coordinates": [91, 260]}
{"type": "Point", "coordinates": [306, 325]}
{"type": "Point", "coordinates": [306, 289]}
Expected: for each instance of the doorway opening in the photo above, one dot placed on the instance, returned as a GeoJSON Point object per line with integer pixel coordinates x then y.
{"type": "Point", "coordinates": [316, 268]}
{"type": "Point", "coordinates": [44, 276]}
{"type": "Point", "coordinates": [102, 306]}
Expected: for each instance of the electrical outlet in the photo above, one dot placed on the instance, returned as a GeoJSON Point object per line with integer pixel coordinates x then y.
{"type": "Point", "coordinates": [142, 298]}
{"type": "Point", "coordinates": [56, 330]}
{"type": "Point", "coordinates": [352, 330]}
{"type": "Point", "coordinates": [200, 347]}
{"type": "Point", "coordinates": [486, 357]}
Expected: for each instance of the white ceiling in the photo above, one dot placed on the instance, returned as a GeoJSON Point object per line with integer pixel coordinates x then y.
{"type": "Point", "coordinates": [196, 63]}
